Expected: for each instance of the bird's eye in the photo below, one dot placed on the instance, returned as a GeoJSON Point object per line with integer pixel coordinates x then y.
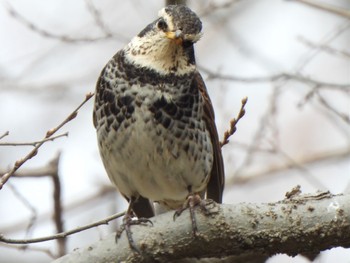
{"type": "Point", "coordinates": [162, 25]}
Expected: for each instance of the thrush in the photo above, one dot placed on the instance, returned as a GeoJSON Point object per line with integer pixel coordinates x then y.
{"type": "Point", "coordinates": [155, 122]}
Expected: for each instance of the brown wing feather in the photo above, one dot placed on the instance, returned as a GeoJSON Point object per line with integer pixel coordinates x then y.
{"type": "Point", "coordinates": [216, 183]}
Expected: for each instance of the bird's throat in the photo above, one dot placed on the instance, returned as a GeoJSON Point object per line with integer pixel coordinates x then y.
{"type": "Point", "coordinates": [165, 57]}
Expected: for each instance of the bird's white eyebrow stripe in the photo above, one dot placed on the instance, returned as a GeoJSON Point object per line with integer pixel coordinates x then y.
{"type": "Point", "coordinates": [166, 18]}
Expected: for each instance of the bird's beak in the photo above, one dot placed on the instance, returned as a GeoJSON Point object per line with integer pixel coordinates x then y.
{"type": "Point", "coordinates": [177, 36]}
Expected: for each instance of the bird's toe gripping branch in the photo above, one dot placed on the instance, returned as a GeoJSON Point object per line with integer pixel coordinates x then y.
{"type": "Point", "coordinates": [193, 201]}
{"type": "Point", "coordinates": [128, 220]}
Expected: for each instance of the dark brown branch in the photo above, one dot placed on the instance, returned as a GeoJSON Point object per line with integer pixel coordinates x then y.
{"type": "Point", "coordinates": [58, 213]}
{"type": "Point", "coordinates": [299, 224]}
{"type": "Point", "coordinates": [233, 123]}
{"type": "Point", "coordinates": [49, 133]}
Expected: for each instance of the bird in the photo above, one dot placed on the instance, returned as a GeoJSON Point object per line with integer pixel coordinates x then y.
{"type": "Point", "coordinates": [155, 122]}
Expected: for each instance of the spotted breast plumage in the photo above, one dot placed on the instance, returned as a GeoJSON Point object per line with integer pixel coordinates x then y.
{"type": "Point", "coordinates": [155, 122]}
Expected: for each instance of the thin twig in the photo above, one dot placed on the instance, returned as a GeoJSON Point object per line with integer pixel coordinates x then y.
{"type": "Point", "coordinates": [31, 248]}
{"type": "Point", "coordinates": [45, 33]}
{"type": "Point", "coordinates": [343, 116]}
{"type": "Point", "coordinates": [49, 133]}
{"type": "Point", "coordinates": [98, 18]}
{"type": "Point", "coordinates": [281, 76]}
{"type": "Point", "coordinates": [326, 7]}
{"type": "Point", "coordinates": [28, 205]}
{"type": "Point", "coordinates": [233, 123]}
{"type": "Point", "coordinates": [325, 48]}
{"type": "Point", "coordinates": [5, 134]}
{"type": "Point", "coordinates": [289, 164]}
{"type": "Point", "coordinates": [212, 7]}
{"type": "Point", "coordinates": [35, 143]}
{"type": "Point", "coordinates": [62, 234]}
{"type": "Point", "coordinates": [327, 39]}
{"type": "Point", "coordinates": [87, 201]}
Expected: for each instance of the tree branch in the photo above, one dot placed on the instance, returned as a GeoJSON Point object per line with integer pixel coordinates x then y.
{"type": "Point", "coordinates": [6, 133]}
{"type": "Point", "coordinates": [233, 123]}
{"type": "Point", "coordinates": [325, 7]}
{"type": "Point", "coordinates": [49, 134]}
{"type": "Point", "coordinates": [35, 143]}
{"type": "Point", "coordinates": [61, 234]}
{"type": "Point", "coordinates": [300, 224]}
{"type": "Point", "coordinates": [211, 75]}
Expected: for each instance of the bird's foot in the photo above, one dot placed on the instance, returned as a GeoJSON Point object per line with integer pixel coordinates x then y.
{"type": "Point", "coordinates": [127, 222]}
{"type": "Point", "coordinates": [193, 201]}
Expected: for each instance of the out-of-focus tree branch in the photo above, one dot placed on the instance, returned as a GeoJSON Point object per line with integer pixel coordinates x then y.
{"type": "Point", "coordinates": [326, 7]}
{"type": "Point", "coordinates": [175, 2]}
{"type": "Point", "coordinates": [244, 178]}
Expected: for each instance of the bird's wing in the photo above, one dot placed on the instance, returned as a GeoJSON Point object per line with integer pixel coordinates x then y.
{"type": "Point", "coordinates": [216, 183]}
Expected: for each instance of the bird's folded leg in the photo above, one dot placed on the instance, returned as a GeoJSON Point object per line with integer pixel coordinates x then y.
{"type": "Point", "coordinates": [127, 222]}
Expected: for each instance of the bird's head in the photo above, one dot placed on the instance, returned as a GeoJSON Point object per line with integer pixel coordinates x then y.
{"type": "Point", "coordinates": [179, 24]}
{"type": "Point", "coordinates": [166, 45]}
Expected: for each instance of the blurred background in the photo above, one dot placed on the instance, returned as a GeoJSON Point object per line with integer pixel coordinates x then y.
{"type": "Point", "coordinates": [290, 59]}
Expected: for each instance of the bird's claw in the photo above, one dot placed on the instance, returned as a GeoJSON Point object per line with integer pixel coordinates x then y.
{"type": "Point", "coordinates": [127, 222]}
{"type": "Point", "coordinates": [193, 201]}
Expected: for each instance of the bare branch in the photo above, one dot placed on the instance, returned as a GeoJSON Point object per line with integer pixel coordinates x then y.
{"type": "Point", "coordinates": [326, 40]}
{"type": "Point", "coordinates": [50, 170]}
{"type": "Point", "coordinates": [58, 213]}
{"type": "Point", "coordinates": [277, 77]}
{"type": "Point", "coordinates": [239, 229]}
{"type": "Point", "coordinates": [98, 18]}
{"type": "Point", "coordinates": [28, 205]}
{"type": "Point", "coordinates": [6, 133]}
{"type": "Point", "coordinates": [75, 205]}
{"type": "Point", "coordinates": [343, 116]}
{"type": "Point", "coordinates": [62, 234]}
{"type": "Point", "coordinates": [35, 143]}
{"type": "Point", "coordinates": [233, 123]}
{"type": "Point", "coordinates": [212, 7]}
{"type": "Point", "coordinates": [325, 48]}
{"type": "Point", "coordinates": [45, 33]}
{"type": "Point", "coordinates": [30, 248]}
{"type": "Point", "coordinates": [49, 133]}
{"type": "Point", "coordinates": [291, 164]}
{"type": "Point", "coordinates": [326, 7]}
